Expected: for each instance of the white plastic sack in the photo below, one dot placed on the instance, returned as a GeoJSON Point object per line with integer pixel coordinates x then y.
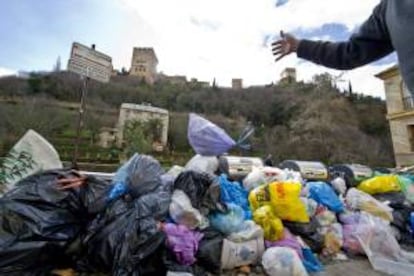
{"type": "Point", "coordinates": [203, 164]}
{"type": "Point", "coordinates": [282, 261]}
{"type": "Point", "coordinates": [175, 170]}
{"type": "Point", "coordinates": [293, 176]}
{"type": "Point", "coordinates": [31, 154]}
{"type": "Point", "coordinates": [263, 175]}
{"type": "Point", "coordinates": [249, 232]}
{"type": "Point", "coordinates": [182, 212]}
{"type": "Point", "coordinates": [244, 253]}
{"type": "Point", "coordinates": [339, 185]}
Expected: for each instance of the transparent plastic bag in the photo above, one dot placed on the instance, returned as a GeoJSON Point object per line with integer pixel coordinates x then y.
{"type": "Point", "coordinates": [381, 247]}
{"type": "Point", "coordinates": [324, 216]}
{"type": "Point", "coordinates": [289, 240]}
{"type": "Point", "coordinates": [282, 261]}
{"type": "Point", "coordinates": [175, 171]}
{"type": "Point", "coordinates": [261, 176]}
{"type": "Point", "coordinates": [203, 164]}
{"type": "Point", "coordinates": [182, 212]}
{"type": "Point", "coordinates": [249, 231]}
{"type": "Point", "coordinates": [358, 200]}
{"type": "Point", "coordinates": [229, 222]}
{"type": "Point", "coordinates": [333, 238]}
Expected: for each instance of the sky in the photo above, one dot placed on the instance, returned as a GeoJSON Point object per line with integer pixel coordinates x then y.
{"type": "Point", "coordinates": [204, 39]}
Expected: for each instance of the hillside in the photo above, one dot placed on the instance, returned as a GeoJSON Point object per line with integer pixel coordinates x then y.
{"type": "Point", "coordinates": [308, 121]}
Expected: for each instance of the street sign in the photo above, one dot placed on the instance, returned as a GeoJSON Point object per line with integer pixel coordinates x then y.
{"type": "Point", "coordinates": [87, 62]}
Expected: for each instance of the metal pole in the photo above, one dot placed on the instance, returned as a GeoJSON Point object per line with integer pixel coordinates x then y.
{"type": "Point", "coordinates": [80, 121]}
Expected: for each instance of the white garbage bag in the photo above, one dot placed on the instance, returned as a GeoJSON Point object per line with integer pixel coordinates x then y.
{"type": "Point", "coordinates": [182, 212]}
{"type": "Point", "coordinates": [31, 154]}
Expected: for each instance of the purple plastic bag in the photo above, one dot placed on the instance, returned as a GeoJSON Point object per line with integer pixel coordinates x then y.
{"type": "Point", "coordinates": [288, 240]}
{"type": "Point", "coordinates": [207, 138]}
{"type": "Point", "coordinates": [182, 242]}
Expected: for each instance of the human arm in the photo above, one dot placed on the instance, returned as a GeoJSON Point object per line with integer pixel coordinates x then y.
{"type": "Point", "coordinates": [370, 43]}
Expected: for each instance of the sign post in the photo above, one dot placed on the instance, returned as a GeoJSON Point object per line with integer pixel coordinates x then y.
{"type": "Point", "coordinates": [90, 64]}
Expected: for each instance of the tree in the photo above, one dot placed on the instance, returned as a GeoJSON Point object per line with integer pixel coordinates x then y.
{"type": "Point", "coordinates": [134, 138]}
{"type": "Point", "coordinates": [323, 80]}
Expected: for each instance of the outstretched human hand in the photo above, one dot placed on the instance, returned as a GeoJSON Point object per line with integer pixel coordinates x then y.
{"type": "Point", "coordinates": [285, 46]}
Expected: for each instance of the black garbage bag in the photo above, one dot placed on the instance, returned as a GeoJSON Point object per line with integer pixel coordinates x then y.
{"type": "Point", "coordinates": [401, 220]}
{"type": "Point", "coordinates": [126, 239]}
{"type": "Point", "coordinates": [209, 250]}
{"type": "Point", "coordinates": [395, 199]}
{"type": "Point", "coordinates": [202, 189]}
{"type": "Point", "coordinates": [39, 221]}
{"type": "Point", "coordinates": [172, 265]}
{"type": "Point", "coordinates": [194, 184]}
{"type": "Point", "coordinates": [308, 232]}
{"type": "Point", "coordinates": [138, 176]}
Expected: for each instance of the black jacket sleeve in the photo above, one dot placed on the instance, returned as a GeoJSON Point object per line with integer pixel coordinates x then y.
{"type": "Point", "coordinates": [370, 43]}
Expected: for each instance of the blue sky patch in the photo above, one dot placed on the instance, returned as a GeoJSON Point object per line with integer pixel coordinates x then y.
{"type": "Point", "coordinates": [281, 2]}
{"type": "Point", "coordinates": [333, 31]}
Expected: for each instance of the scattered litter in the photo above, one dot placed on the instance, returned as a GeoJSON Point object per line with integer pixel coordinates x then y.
{"type": "Point", "coordinates": [221, 214]}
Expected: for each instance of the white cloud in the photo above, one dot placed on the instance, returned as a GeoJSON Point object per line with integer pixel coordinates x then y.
{"type": "Point", "coordinates": [6, 72]}
{"type": "Point", "coordinates": [223, 39]}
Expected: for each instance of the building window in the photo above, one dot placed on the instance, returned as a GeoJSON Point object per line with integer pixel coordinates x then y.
{"type": "Point", "coordinates": [408, 100]}
{"type": "Point", "coordinates": [410, 129]}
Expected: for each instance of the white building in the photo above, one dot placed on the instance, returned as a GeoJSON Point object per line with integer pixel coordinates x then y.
{"type": "Point", "coordinates": [143, 113]}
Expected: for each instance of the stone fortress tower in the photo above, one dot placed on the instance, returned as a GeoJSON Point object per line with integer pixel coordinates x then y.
{"type": "Point", "coordinates": [144, 64]}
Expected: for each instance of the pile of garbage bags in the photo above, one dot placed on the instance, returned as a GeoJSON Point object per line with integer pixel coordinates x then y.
{"type": "Point", "coordinates": [197, 220]}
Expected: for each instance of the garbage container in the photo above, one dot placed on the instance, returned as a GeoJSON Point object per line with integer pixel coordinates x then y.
{"type": "Point", "coordinates": [237, 167]}
{"type": "Point", "coordinates": [352, 173]}
{"type": "Point", "coordinates": [310, 170]}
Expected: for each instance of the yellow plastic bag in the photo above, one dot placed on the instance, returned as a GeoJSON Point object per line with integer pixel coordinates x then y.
{"type": "Point", "coordinates": [285, 200]}
{"type": "Point", "coordinates": [272, 226]}
{"type": "Point", "coordinates": [380, 184]}
{"type": "Point", "coordinates": [259, 197]}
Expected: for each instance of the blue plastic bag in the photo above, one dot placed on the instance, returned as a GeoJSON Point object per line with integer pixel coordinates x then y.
{"type": "Point", "coordinates": [230, 221]}
{"type": "Point", "coordinates": [310, 262]}
{"type": "Point", "coordinates": [325, 195]}
{"type": "Point", "coordinates": [233, 192]}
